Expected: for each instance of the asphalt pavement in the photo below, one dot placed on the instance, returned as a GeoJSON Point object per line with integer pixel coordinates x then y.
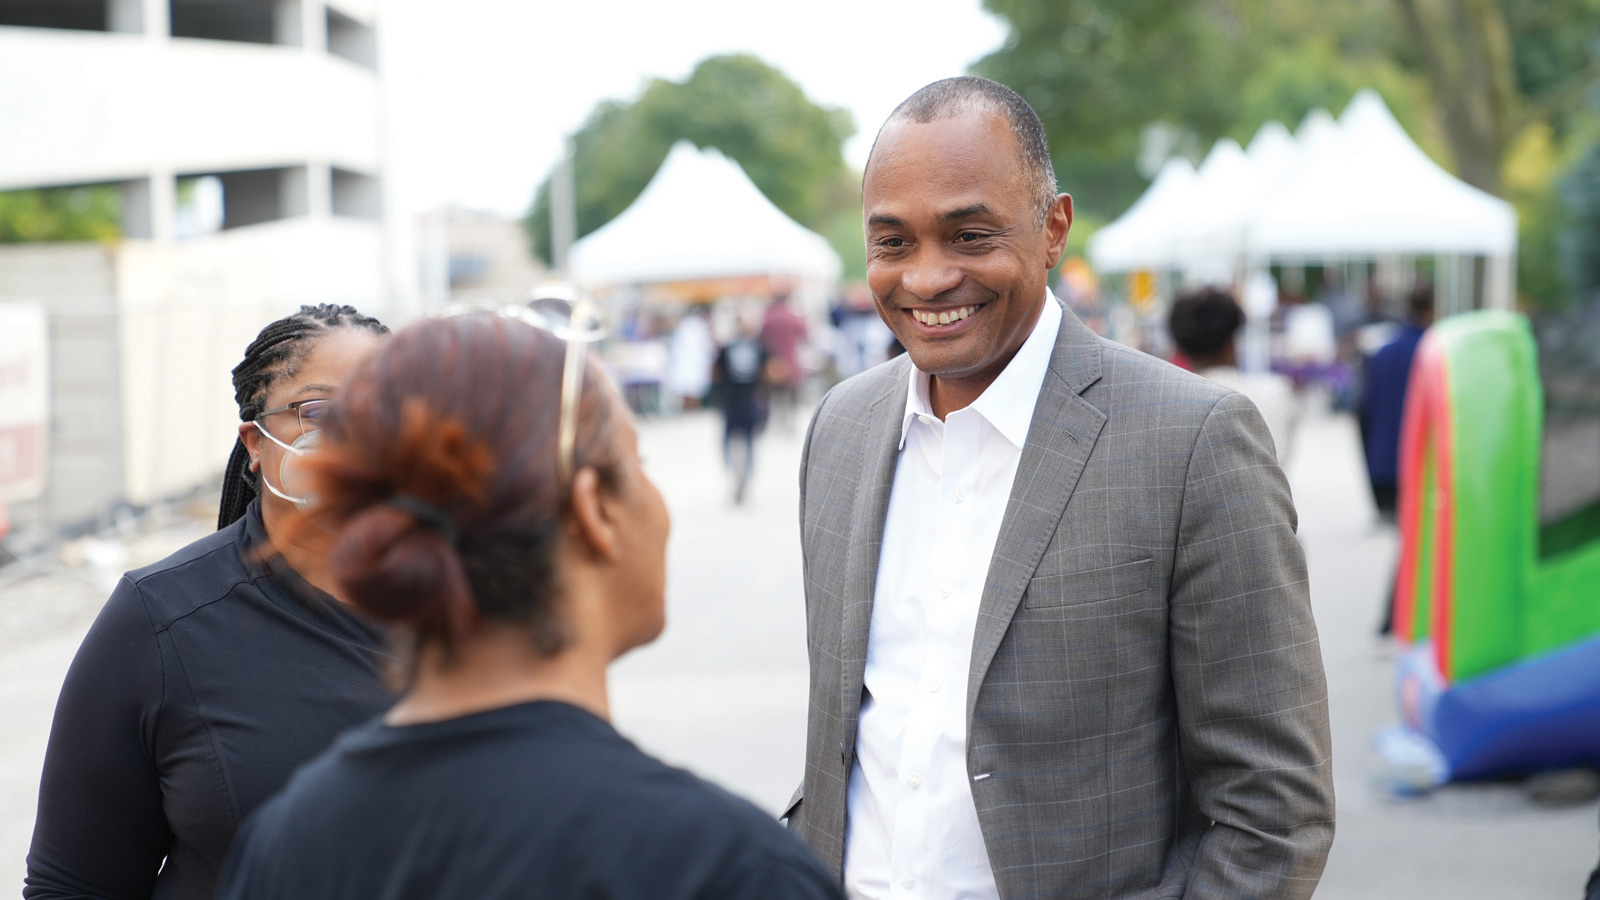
{"type": "Point", "coordinates": [723, 692]}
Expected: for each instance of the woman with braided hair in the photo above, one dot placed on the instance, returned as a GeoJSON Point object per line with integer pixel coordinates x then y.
{"type": "Point", "coordinates": [209, 676]}
{"type": "Point", "coordinates": [483, 488]}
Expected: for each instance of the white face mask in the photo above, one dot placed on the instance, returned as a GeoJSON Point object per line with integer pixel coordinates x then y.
{"type": "Point", "coordinates": [294, 480]}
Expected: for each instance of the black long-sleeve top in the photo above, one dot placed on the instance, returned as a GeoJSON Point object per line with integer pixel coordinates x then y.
{"type": "Point", "coordinates": [538, 800]}
{"type": "Point", "coordinates": [206, 680]}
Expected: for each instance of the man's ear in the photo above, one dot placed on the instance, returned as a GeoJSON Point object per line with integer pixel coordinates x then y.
{"type": "Point", "coordinates": [593, 524]}
{"type": "Point", "coordinates": [1057, 224]}
{"type": "Point", "coordinates": [251, 436]}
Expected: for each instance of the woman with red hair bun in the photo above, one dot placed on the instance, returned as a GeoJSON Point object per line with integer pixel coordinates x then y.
{"type": "Point", "coordinates": [483, 489]}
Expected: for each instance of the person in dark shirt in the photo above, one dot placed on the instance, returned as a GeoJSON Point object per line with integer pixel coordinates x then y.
{"type": "Point", "coordinates": [519, 564]}
{"type": "Point", "coordinates": [740, 376]}
{"type": "Point", "coordinates": [1383, 400]}
{"type": "Point", "coordinates": [209, 676]}
{"type": "Point", "coordinates": [1381, 413]}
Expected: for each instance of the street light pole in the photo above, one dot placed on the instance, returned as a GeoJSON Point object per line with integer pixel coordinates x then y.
{"type": "Point", "coordinates": [563, 212]}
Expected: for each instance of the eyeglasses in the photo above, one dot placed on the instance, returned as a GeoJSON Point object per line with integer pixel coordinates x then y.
{"type": "Point", "coordinates": [308, 412]}
{"type": "Point", "coordinates": [570, 315]}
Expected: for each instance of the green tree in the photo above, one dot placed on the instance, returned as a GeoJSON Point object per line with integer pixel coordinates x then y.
{"type": "Point", "coordinates": [60, 214]}
{"type": "Point", "coordinates": [1293, 80]}
{"type": "Point", "coordinates": [1500, 66]}
{"type": "Point", "coordinates": [1580, 243]}
{"type": "Point", "coordinates": [790, 147]}
{"type": "Point", "coordinates": [1100, 71]}
{"type": "Point", "coordinates": [1495, 90]}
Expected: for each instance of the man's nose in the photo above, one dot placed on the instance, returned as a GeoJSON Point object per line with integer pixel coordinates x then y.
{"type": "Point", "coordinates": [930, 275]}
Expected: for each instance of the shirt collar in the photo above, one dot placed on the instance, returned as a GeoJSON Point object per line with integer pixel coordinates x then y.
{"type": "Point", "coordinates": [1008, 402]}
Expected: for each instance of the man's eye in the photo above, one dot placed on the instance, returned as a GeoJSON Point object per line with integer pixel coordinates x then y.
{"type": "Point", "coordinates": [969, 237]}
{"type": "Point", "coordinates": [893, 243]}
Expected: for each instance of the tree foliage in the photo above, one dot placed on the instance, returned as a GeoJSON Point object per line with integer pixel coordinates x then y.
{"type": "Point", "coordinates": [1100, 71]}
{"type": "Point", "coordinates": [1580, 243]}
{"type": "Point", "coordinates": [1470, 79]}
{"type": "Point", "coordinates": [60, 214]}
{"type": "Point", "coordinates": [790, 147]}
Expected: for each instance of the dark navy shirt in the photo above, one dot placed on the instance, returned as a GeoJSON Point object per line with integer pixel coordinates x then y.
{"type": "Point", "coordinates": [206, 680]}
{"type": "Point", "coordinates": [539, 800]}
{"type": "Point", "coordinates": [741, 365]}
{"type": "Point", "coordinates": [1383, 404]}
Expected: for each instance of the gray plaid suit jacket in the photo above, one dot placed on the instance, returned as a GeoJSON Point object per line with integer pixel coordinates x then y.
{"type": "Point", "coordinates": [1146, 710]}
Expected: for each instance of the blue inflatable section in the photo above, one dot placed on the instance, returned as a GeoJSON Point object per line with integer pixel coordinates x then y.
{"type": "Point", "coordinates": [1537, 714]}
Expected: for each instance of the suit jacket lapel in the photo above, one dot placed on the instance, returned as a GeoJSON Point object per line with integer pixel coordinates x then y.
{"type": "Point", "coordinates": [1060, 438]}
{"type": "Point", "coordinates": [886, 418]}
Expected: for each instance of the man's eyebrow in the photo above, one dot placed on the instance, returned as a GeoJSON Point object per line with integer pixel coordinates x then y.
{"type": "Point", "coordinates": [967, 212]}
{"type": "Point", "coordinates": [886, 219]}
{"type": "Point", "coordinates": [314, 389]}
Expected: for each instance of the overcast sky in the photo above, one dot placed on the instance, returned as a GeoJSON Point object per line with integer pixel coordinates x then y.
{"type": "Point", "coordinates": [483, 91]}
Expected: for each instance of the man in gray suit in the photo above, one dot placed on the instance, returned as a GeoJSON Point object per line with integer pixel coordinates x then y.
{"type": "Point", "coordinates": [1060, 637]}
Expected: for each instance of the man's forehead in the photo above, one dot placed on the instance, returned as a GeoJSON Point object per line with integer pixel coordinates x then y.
{"type": "Point", "coordinates": [963, 161]}
{"type": "Point", "coordinates": [957, 133]}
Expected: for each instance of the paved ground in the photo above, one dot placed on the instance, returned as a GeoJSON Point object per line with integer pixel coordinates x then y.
{"type": "Point", "coordinates": [723, 692]}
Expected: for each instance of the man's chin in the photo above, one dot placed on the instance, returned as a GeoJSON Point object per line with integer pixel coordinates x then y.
{"type": "Point", "coordinates": [939, 359]}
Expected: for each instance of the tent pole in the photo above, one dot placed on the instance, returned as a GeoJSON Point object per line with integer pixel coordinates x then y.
{"type": "Point", "coordinates": [1443, 276]}
{"type": "Point", "coordinates": [1501, 274]}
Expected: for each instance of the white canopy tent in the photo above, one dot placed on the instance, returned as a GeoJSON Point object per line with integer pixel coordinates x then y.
{"type": "Point", "coordinates": [1204, 235]}
{"type": "Point", "coordinates": [1272, 153]}
{"type": "Point", "coordinates": [1375, 193]}
{"type": "Point", "coordinates": [700, 218]}
{"type": "Point", "coordinates": [1135, 240]}
{"type": "Point", "coordinates": [1318, 134]}
{"type": "Point", "coordinates": [1356, 188]}
{"type": "Point", "coordinates": [1239, 185]}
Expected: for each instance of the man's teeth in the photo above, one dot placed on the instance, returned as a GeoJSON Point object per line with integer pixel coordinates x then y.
{"type": "Point", "coordinates": [943, 318]}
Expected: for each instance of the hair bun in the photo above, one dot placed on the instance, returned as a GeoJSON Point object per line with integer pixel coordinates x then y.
{"type": "Point", "coordinates": [399, 569]}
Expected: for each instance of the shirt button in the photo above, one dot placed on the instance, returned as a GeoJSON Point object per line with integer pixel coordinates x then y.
{"type": "Point", "coordinates": [908, 882]}
{"type": "Point", "coordinates": [933, 685]}
{"type": "Point", "coordinates": [957, 497]}
{"type": "Point", "coordinates": [944, 590]}
{"type": "Point", "coordinates": [914, 781]}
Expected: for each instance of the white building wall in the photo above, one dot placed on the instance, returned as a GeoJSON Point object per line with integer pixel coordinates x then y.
{"type": "Point", "coordinates": [189, 310]}
{"type": "Point", "coordinates": [168, 318]}
{"type": "Point", "coordinates": [95, 107]}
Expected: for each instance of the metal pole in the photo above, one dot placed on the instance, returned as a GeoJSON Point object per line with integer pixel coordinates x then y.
{"type": "Point", "coordinates": [563, 212]}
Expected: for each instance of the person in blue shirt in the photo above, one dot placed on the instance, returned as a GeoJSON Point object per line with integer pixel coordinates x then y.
{"type": "Point", "coordinates": [1382, 410]}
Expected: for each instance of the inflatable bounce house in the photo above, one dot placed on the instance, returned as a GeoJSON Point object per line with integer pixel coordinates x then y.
{"type": "Point", "coordinates": [1499, 614]}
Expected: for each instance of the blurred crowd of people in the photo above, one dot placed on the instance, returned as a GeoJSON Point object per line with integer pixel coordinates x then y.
{"type": "Point", "coordinates": [754, 360]}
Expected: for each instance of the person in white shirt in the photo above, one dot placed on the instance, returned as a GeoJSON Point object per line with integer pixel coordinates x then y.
{"type": "Point", "coordinates": [1205, 325]}
{"type": "Point", "coordinates": [1059, 634]}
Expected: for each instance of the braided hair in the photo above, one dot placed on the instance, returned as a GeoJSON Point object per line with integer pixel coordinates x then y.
{"type": "Point", "coordinates": [274, 354]}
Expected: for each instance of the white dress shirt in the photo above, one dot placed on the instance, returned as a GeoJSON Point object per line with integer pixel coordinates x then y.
{"type": "Point", "coordinates": [912, 829]}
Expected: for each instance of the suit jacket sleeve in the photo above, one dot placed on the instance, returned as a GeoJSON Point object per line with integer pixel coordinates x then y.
{"type": "Point", "coordinates": [792, 812]}
{"type": "Point", "coordinates": [1247, 669]}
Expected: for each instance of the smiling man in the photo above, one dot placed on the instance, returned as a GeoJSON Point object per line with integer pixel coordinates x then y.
{"type": "Point", "coordinates": [1058, 624]}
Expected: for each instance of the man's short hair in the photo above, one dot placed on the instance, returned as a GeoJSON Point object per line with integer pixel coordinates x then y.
{"type": "Point", "coordinates": [955, 96]}
{"type": "Point", "coordinates": [1203, 322]}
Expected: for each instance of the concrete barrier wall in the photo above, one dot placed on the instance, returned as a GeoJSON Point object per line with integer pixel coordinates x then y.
{"type": "Point", "coordinates": [144, 337]}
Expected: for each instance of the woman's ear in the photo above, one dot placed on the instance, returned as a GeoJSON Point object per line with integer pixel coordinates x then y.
{"type": "Point", "coordinates": [592, 516]}
{"type": "Point", "coordinates": [251, 436]}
